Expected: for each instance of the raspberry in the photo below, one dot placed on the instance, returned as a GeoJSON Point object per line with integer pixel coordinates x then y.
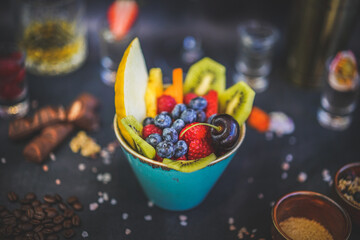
{"type": "Point", "coordinates": [150, 129]}
{"type": "Point", "coordinates": [165, 103]}
{"type": "Point", "coordinates": [199, 148]}
{"type": "Point", "coordinates": [212, 103]}
{"type": "Point", "coordinates": [188, 97]}
{"type": "Point", "coordinates": [197, 132]}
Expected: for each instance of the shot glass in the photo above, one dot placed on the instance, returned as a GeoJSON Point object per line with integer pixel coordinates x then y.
{"type": "Point", "coordinates": [340, 92]}
{"type": "Point", "coordinates": [13, 88]}
{"type": "Point", "coordinates": [111, 52]}
{"type": "Point", "coordinates": [53, 35]}
{"type": "Point", "coordinates": [256, 41]}
{"type": "Point", "coordinates": [170, 189]}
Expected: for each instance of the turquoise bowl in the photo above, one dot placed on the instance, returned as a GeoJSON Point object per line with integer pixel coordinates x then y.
{"type": "Point", "coordinates": [170, 189]}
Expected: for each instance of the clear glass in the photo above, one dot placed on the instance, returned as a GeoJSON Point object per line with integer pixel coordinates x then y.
{"type": "Point", "coordinates": [111, 52]}
{"type": "Point", "coordinates": [53, 35]}
{"type": "Point", "coordinates": [13, 88]}
{"type": "Point", "coordinates": [336, 104]}
{"type": "Point", "coordinates": [256, 41]}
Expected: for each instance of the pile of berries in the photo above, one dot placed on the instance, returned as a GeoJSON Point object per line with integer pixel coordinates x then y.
{"type": "Point", "coordinates": [171, 132]}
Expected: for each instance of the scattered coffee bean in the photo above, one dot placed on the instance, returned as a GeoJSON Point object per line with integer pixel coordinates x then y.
{"type": "Point", "coordinates": [35, 221]}
{"type": "Point", "coordinates": [39, 215]}
{"type": "Point", "coordinates": [49, 198]}
{"type": "Point", "coordinates": [30, 213]}
{"type": "Point", "coordinates": [47, 231]}
{"type": "Point", "coordinates": [71, 200]}
{"type": "Point", "coordinates": [77, 206]}
{"type": "Point", "coordinates": [58, 198]}
{"type": "Point", "coordinates": [38, 228]}
{"type": "Point", "coordinates": [58, 219]}
{"type": "Point", "coordinates": [68, 233]}
{"type": "Point", "coordinates": [62, 206]}
{"type": "Point", "coordinates": [75, 220]}
{"type": "Point", "coordinates": [13, 197]}
{"type": "Point", "coordinates": [51, 212]}
{"type": "Point", "coordinates": [30, 196]}
{"type": "Point", "coordinates": [57, 228]}
{"type": "Point", "coordinates": [39, 236]}
{"type": "Point", "coordinates": [67, 224]}
{"type": "Point", "coordinates": [52, 237]}
{"type": "Point", "coordinates": [68, 213]}
{"type": "Point", "coordinates": [26, 226]}
{"type": "Point", "coordinates": [36, 203]}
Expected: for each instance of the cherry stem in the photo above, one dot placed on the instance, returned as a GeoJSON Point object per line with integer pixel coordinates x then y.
{"type": "Point", "coordinates": [218, 128]}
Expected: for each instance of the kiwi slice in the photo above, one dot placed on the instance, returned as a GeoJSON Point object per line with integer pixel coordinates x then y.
{"type": "Point", "coordinates": [189, 165]}
{"type": "Point", "coordinates": [237, 101]}
{"type": "Point", "coordinates": [204, 75]}
{"type": "Point", "coordinates": [134, 128]}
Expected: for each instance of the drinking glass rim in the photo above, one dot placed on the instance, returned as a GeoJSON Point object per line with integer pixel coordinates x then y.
{"type": "Point", "coordinates": [164, 166]}
{"type": "Point", "coordinates": [48, 3]}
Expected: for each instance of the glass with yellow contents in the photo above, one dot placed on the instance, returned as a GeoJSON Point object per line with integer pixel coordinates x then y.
{"type": "Point", "coordinates": [53, 35]}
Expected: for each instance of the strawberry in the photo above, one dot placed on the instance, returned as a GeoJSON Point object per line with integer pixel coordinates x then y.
{"type": "Point", "coordinates": [188, 97]}
{"type": "Point", "coordinates": [165, 103]}
{"type": "Point", "coordinates": [121, 16]}
{"type": "Point", "coordinates": [212, 106]}
{"type": "Point", "coordinates": [199, 148]}
{"type": "Point", "coordinates": [183, 157]}
{"type": "Point", "coordinates": [150, 129]}
{"type": "Point", "coordinates": [196, 132]}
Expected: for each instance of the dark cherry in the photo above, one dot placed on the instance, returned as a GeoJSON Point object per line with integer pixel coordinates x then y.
{"type": "Point", "coordinates": [226, 133]}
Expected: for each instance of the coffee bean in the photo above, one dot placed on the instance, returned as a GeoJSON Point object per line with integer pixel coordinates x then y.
{"type": "Point", "coordinates": [58, 219]}
{"type": "Point", "coordinates": [35, 222]}
{"type": "Point", "coordinates": [9, 220]}
{"type": "Point", "coordinates": [77, 206]}
{"type": "Point", "coordinates": [68, 233]}
{"type": "Point", "coordinates": [26, 226]}
{"type": "Point", "coordinates": [49, 198]}
{"type": "Point", "coordinates": [57, 228]}
{"type": "Point", "coordinates": [47, 231]}
{"type": "Point", "coordinates": [67, 224]}
{"type": "Point", "coordinates": [36, 203]}
{"type": "Point", "coordinates": [30, 213]}
{"type": "Point", "coordinates": [2, 208]}
{"type": "Point", "coordinates": [38, 209]}
{"type": "Point", "coordinates": [46, 220]}
{"type": "Point", "coordinates": [51, 212]}
{"type": "Point", "coordinates": [52, 237]}
{"type": "Point", "coordinates": [12, 196]}
{"type": "Point", "coordinates": [39, 236]}
{"type": "Point", "coordinates": [5, 213]}
{"type": "Point", "coordinates": [39, 215]}
{"type": "Point", "coordinates": [29, 235]}
{"type": "Point", "coordinates": [68, 213]}
{"type": "Point", "coordinates": [30, 196]}
{"type": "Point", "coordinates": [75, 220]}
{"type": "Point", "coordinates": [58, 197]}
{"type": "Point", "coordinates": [39, 228]}
{"type": "Point", "coordinates": [45, 205]}
{"type": "Point", "coordinates": [24, 218]}
{"type": "Point", "coordinates": [49, 225]}
{"type": "Point", "coordinates": [71, 200]}
{"type": "Point", "coordinates": [25, 207]}
{"type": "Point", "coordinates": [62, 206]}
{"type": "Point", "coordinates": [25, 201]}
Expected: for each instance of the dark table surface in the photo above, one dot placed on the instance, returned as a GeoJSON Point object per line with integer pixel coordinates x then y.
{"type": "Point", "coordinates": [252, 181]}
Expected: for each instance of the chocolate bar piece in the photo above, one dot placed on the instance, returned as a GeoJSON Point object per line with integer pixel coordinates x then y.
{"type": "Point", "coordinates": [82, 112]}
{"type": "Point", "coordinates": [41, 146]}
{"type": "Point", "coordinates": [24, 127]}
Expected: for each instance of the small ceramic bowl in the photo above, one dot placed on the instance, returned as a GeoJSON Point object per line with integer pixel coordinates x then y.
{"type": "Point", "coordinates": [352, 208]}
{"type": "Point", "coordinates": [170, 189]}
{"type": "Point", "coordinates": [313, 206]}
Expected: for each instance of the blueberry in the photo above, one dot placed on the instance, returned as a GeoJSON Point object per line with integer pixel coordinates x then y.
{"type": "Point", "coordinates": [170, 134]}
{"type": "Point", "coordinates": [178, 125]}
{"type": "Point", "coordinates": [178, 109]}
{"type": "Point", "coordinates": [181, 148]}
{"type": "Point", "coordinates": [200, 116]}
{"type": "Point", "coordinates": [211, 118]}
{"type": "Point", "coordinates": [165, 149]}
{"type": "Point", "coordinates": [162, 120]}
{"type": "Point", "coordinates": [154, 139]}
{"type": "Point", "coordinates": [147, 121]}
{"type": "Point", "coordinates": [189, 116]}
{"type": "Point", "coordinates": [198, 103]}
{"type": "Point", "coordinates": [166, 113]}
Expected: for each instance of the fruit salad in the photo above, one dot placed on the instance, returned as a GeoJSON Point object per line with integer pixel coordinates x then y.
{"type": "Point", "coordinates": [185, 125]}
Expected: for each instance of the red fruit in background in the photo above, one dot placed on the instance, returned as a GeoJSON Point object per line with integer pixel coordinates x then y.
{"type": "Point", "coordinates": [158, 158]}
{"type": "Point", "coordinates": [121, 16]}
{"type": "Point", "coordinates": [199, 148]}
{"type": "Point", "coordinates": [8, 68]}
{"type": "Point", "coordinates": [194, 132]}
{"type": "Point", "coordinates": [183, 157]}
{"type": "Point", "coordinates": [212, 106]}
{"type": "Point", "coordinates": [150, 129]}
{"type": "Point", "coordinates": [165, 103]}
{"type": "Point", "coordinates": [188, 97]}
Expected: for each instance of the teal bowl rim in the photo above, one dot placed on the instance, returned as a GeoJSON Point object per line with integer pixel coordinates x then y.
{"type": "Point", "coordinates": [155, 164]}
